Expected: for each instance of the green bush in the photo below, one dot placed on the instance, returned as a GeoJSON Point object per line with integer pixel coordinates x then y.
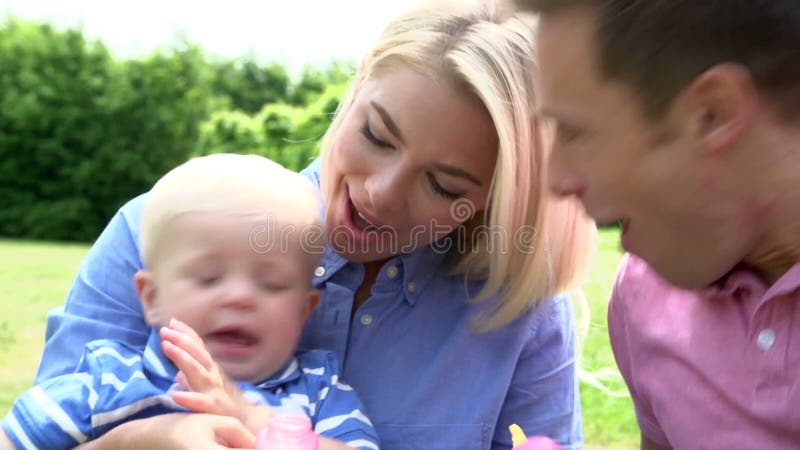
{"type": "Point", "coordinates": [286, 134]}
{"type": "Point", "coordinates": [82, 132]}
{"type": "Point", "coordinates": [249, 86]}
{"type": "Point", "coordinates": [53, 93]}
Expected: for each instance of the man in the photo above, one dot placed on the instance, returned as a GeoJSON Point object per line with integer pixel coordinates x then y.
{"type": "Point", "coordinates": [681, 120]}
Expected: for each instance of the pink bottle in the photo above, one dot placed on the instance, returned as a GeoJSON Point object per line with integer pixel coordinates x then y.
{"type": "Point", "coordinates": [287, 432]}
{"type": "Point", "coordinates": [522, 442]}
{"type": "Point", "coordinates": [538, 443]}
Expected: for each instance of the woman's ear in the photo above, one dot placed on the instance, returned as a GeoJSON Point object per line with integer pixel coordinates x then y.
{"type": "Point", "coordinates": [148, 295]}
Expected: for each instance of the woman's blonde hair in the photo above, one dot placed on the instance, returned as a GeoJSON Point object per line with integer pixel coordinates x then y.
{"type": "Point", "coordinates": [484, 51]}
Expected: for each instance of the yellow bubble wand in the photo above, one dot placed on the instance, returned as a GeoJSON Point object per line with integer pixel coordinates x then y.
{"type": "Point", "coordinates": [522, 442]}
{"type": "Point", "coordinates": [517, 435]}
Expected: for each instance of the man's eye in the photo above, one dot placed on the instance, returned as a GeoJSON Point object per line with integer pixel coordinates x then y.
{"type": "Point", "coordinates": [567, 134]}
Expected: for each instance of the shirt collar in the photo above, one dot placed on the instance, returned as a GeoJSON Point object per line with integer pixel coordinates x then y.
{"type": "Point", "coordinates": [330, 263]}
{"type": "Point", "coordinates": [788, 283]}
{"type": "Point", "coordinates": [290, 372]}
{"type": "Point", "coordinates": [745, 284]}
{"type": "Point", "coordinates": [156, 365]}
{"type": "Point", "coordinates": [418, 268]}
{"type": "Point", "coordinates": [739, 282]}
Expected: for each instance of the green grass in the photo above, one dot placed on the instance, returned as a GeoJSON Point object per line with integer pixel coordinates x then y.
{"type": "Point", "coordinates": [608, 420]}
{"type": "Point", "coordinates": [35, 277]}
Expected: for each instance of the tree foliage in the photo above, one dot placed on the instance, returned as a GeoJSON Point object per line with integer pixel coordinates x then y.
{"type": "Point", "coordinates": [82, 132]}
{"type": "Point", "coordinates": [284, 133]}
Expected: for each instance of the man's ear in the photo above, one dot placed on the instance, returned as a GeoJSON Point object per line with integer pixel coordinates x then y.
{"type": "Point", "coordinates": [723, 101]}
{"type": "Point", "coordinates": [313, 297]}
{"type": "Point", "coordinates": [148, 295]}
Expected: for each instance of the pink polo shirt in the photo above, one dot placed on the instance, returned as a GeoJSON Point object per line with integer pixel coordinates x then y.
{"type": "Point", "coordinates": [714, 369]}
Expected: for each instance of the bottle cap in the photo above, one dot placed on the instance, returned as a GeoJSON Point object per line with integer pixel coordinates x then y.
{"type": "Point", "coordinates": [287, 432]}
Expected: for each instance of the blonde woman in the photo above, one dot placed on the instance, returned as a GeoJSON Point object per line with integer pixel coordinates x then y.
{"type": "Point", "coordinates": [442, 280]}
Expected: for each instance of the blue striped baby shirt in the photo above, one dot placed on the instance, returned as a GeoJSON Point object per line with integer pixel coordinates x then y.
{"type": "Point", "coordinates": [114, 384]}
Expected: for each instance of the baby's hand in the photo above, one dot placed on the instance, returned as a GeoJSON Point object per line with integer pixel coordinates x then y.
{"type": "Point", "coordinates": [208, 389]}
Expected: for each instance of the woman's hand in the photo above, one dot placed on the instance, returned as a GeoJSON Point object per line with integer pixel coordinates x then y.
{"type": "Point", "coordinates": [178, 431]}
{"type": "Point", "coordinates": [208, 389]}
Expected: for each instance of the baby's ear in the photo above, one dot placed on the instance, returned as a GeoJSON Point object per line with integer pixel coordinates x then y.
{"type": "Point", "coordinates": [313, 297]}
{"type": "Point", "coordinates": [148, 295]}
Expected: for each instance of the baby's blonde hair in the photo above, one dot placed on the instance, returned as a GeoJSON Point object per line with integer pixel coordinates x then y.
{"type": "Point", "coordinates": [484, 51]}
{"type": "Point", "coordinates": [232, 184]}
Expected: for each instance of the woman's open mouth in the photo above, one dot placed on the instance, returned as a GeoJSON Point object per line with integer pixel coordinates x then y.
{"type": "Point", "coordinates": [362, 228]}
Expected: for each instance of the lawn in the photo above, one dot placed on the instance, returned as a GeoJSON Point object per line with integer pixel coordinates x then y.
{"type": "Point", "coordinates": [608, 418]}
{"type": "Point", "coordinates": [35, 277]}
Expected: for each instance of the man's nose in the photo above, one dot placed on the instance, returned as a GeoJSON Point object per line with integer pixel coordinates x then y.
{"type": "Point", "coordinates": [562, 181]}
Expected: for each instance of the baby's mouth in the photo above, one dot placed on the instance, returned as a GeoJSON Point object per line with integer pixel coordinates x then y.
{"type": "Point", "coordinates": [233, 337]}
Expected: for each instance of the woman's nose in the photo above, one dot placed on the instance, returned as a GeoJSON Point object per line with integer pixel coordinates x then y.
{"type": "Point", "coordinates": [386, 190]}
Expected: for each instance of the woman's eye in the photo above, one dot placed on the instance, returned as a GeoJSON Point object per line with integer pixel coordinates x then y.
{"type": "Point", "coordinates": [372, 138]}
{"type": "Point", "coordinates": [441, 190]}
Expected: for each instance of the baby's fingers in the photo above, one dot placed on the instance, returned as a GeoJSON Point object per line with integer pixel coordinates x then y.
{"type": "Point", "coordinates": [190, 343]}
{"type": "Point", "coordinates": [176, 324]}
{"type": "Point", "coordinates": [194, 401]}
{"type": "Point", "coordinates": [180, 379]}
{"type": "Point", "coordinates": [195, 376]}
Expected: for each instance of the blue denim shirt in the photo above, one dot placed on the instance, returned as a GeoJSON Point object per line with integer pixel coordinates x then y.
{"type": "Point", "coordinates": [427, 380]}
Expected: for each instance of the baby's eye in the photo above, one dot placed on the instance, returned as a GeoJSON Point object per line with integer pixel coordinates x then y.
{"type": "Point", "coordinates": [207, 279]}
{"type": "Point", "coordinates": [272, 286]}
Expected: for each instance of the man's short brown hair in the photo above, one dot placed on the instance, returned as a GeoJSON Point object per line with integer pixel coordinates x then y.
{"type": "Point", "coordinates": [660, 46]}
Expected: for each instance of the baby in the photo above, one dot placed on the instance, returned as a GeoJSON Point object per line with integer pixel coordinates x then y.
{"type": "Point", "coordinates": [229, 243]}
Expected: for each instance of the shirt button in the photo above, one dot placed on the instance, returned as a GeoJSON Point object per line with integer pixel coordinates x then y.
{"type": "Point", "coordinates": [766, 339]}
{"type": "Point", "coordinates": [366, 319]}
{"type": "Point", "coordinates": [319, 271]}
{"type": "Point", "coordinates": [411, 287]}
{"type": "Point", "coordinates": [391, 272]}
